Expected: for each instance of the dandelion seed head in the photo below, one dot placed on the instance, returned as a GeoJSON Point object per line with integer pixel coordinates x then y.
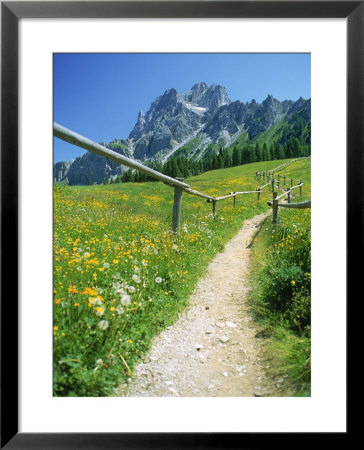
{"type": "Point", "coordinates": [103, 324]}
{"type": "Point", "coordinates": [125, 300]}
{"type": "Point", "coordinates": [119, 310]}
{"type": "Point", "coordinates": [136, 278]}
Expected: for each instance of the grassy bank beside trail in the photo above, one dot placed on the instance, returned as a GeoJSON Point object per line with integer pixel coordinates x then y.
{"type": "Point", "coordinates": [121, 275]}
{"type": "Point", "coordinates": [281, 281]}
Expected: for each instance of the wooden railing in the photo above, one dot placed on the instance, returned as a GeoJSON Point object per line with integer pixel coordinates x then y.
{"type": "Point", "coordinates": [177, 183]}
{"type": "Point", "coordinates": [275, 205]}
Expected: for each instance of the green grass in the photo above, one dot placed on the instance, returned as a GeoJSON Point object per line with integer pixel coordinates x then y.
{"type": "Point", "coordinates": [281, 276]}
{"type": "Point", "coordinates": [121, 275]}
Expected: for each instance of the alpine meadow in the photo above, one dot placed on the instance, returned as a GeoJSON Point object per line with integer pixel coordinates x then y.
{"type": "Point", "coordinates": [182, 253]}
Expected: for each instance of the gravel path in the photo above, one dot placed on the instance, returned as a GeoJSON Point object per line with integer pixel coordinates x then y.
{"type": "Point", "coordinates": [212, 350]}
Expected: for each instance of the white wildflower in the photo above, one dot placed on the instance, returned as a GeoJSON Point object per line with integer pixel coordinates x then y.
{"type": "Point", "coordinates": [131, 289]}
{"type": "Point", "coordinates": [99, 362]}
{"type": "Point", "coordinates": [136, 278]}
{"type": "Point", "coordinates": [103, 324]}
{"type": "Point", "coordinates": [137, 270]}
{"type": "Point", "coordinates": [119, 310]}
{"type": "Point", "coordinates": [158, 280]}
{"type": "Point", "coordinates": [106, 265]}
{"type": "Point", "coordinates": [125, 300]}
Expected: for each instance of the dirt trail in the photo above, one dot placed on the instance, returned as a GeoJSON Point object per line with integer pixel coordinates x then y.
{"type": "Point", "coordinates": [212, 350]}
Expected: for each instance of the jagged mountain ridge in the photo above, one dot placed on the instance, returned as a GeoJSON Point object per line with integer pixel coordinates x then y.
{"type": "Point", "coordinates": [197, 118]}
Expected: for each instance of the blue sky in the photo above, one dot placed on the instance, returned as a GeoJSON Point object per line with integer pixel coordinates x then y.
{"type": "Point", "coordinates": [100, 95]}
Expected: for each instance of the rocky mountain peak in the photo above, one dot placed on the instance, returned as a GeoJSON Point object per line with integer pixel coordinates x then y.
{"type": "Point", "coordinates": [201, 116]}
{"type": "Point", "coordinates": [213, 98]}
{"type": "Point", "coordinates": [139, 127]}
{"type": "Point", "coordinates": [199, 87]}
{"type": "Point", "coordinates": [196, 91]}
{"type": "Point", "coordinates": [270, 99]}
{"type": "Point", "coordinates": [170, 95]}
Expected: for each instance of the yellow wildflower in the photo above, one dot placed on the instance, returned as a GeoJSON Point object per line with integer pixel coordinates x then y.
{"type": "Point", "coordinates": [72, 289]}
{"type": "Point", "coordinates": [89, 291]}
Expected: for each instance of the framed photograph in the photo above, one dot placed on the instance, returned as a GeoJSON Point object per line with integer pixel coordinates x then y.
{"type": "Point", "coordinates": [50, 396]}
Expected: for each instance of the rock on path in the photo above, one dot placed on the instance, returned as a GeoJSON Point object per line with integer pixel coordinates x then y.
{"type": "Point", "coordinates": [211, 350]}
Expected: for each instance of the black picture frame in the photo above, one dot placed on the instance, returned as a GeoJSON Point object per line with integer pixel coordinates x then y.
{"type": "Point", "coordinates": [11, 12]}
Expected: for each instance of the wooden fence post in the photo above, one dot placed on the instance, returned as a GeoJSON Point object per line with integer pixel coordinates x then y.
{"type": "Point", "coordinates": [291, 182]}
{"type": "Point", "coordinates": [234, 198]}
{"type": "Point", "coordinates": [278, 183]}
{"type": "Point", "coordinates": [177, 203]}
{"type": "Point", "coordinates": [275, 207]}
{"type": "Point", "coordinates": [289, 195]}
{"type": "Point", "coordinates": [258, 190]}
{"type": "Point", "coordinates": [273, 184]}
{"type": "Point", "coordinates": [263, 175]}
{"type": "Point", "coordinates": [300, 188]}
{"type": "Point", "coordinates": [214, 207]}
{"type": "Point", "coordinates": [284, 180]}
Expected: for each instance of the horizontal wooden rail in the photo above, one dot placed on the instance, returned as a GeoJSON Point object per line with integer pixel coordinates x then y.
{"type": "Point", "coordinates": [234, 194]}
{"type": "Point", "coordinates": [199, 194]}
{"type": "Point", "coordinates": [296, 186]}
{"type": "Point", "coordinates": [282, 195]}
{"type": "Point", "coordinates": [265, 185]}
{"type": "Point", "coordinates": [81, 141]}
{"type": "Point", "coordinates": [301, 205]}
